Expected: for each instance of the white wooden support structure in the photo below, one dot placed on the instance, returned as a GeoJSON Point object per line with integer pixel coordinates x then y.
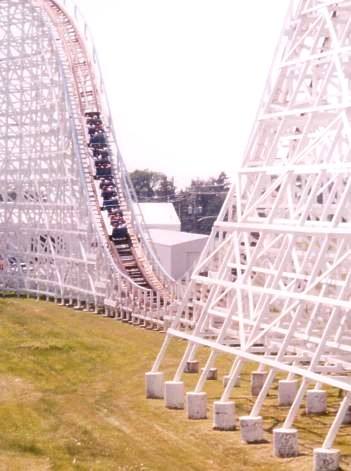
{"type": "Point", "coordinates": [273, 285]}
{"type": "Point", "coordinates": [56, 231]}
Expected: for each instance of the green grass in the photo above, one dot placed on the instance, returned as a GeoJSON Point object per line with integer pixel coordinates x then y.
{"type": "Point", "coordinates": [72, 397]}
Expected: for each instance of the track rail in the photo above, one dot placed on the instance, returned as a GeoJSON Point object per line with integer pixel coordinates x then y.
{"type": "Point", "coordinates": [110, 191]}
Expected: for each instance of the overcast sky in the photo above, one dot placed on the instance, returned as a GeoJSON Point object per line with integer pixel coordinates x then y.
{"type": "Point", "coordinates": [184, 78]}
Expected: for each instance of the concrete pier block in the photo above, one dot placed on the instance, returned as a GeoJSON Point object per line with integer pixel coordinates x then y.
{"type": "Point", "coordinates": [226, 379]}
{"type": "Point", "coordinates": [251, 429]}
{"type": "Point", "coordinates": [192, 366]}
{"type": "Point", "coordinates": [326, 459]}
{"type": "Point", "coordinates": [285, 443]}
{"type": "Point", "coordinates": [174, 394]}
{"type": "Point", "coordinates": [224, 415]}
{"type": "Point", "coordinates": [154, 385]}
{"type": "Point", "coordinates": [196, 405]}
{"type": "Point", "coordinates": [287, 390]}
{"type": "Point", "coordinates": [257, 381]}
{"type": "Point", "coordinates": [316, 401]}
{"type": "Point", "coordinates": [212, 373]}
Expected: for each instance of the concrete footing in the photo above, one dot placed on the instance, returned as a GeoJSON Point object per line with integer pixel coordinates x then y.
{"type": "Point", "coordinates": [191, 366]}
{"type": "Point", "coordinates": [212, 373]}
{"type": "Point", "coordinates": [174, 394]}
{"type": "Point", "coordinates": [154, 385]}
{"type": "Point", "coordinates": [224, 415]}
{"type": "Point", "coordinates": [285, 442]}
{"type": "Point", "coordinates": [287, 390]}
{"type": "Point", "coordinates": [326, 459]}
{"type": "Point", "coordinates": [316, 401]}
{"type": "Point", "coordinates": [251, 429]}
{"type": "Point", "coordinates": [257, 381]}
{"type": "Point", "coordinates": [226, 379]}
{"type": "Point", "coordinates": [196, 405]}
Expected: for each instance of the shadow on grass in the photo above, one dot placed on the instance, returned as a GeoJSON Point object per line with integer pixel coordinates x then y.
{"type": "Point", "coordinates": [260, 442]}
{"type": "Point", "coordinates": [7, 294]}
{"type": "Point", "coordinates": [275, 423]}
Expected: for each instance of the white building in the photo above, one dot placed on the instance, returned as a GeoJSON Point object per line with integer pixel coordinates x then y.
{"type": "Point", "coordinates": [177, 251]}
{"type": "Point", "coordinates": [160, 216]}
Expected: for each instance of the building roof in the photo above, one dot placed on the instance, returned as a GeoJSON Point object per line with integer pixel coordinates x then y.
{"type": "Point", "coordinates": [170, 238]}
{"type": "Point", "coordinates": [159, 214]}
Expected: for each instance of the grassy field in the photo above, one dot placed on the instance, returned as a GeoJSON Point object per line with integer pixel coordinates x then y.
{"type": "Point", "coordinates": [72, 397]}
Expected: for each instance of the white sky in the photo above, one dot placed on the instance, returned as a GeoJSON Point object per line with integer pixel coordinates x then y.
{"type": "Point", "coordinates": [184, 78]}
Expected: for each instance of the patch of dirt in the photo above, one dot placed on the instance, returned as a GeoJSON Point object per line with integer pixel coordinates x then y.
{"type": "Point", "coordinates": [114, 422]}
{"type": "Point", "coordinates": [17, 389]}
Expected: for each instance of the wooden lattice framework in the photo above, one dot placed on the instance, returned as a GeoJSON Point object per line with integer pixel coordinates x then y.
{"type": "Point", "coordinates": [56, 237]}
{"type": "Point", "coordinates": [274, 283]}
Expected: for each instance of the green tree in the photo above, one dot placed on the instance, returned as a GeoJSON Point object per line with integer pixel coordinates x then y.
{"type": "Point", "coordinates": [199, 205]}
{"type": "Point", "coordinates": [165, 190]}
{"type": "Point", "coordinates": [150, 185]}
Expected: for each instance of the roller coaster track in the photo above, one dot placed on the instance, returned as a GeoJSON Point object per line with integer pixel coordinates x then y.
{"type": "Point", "coordinates": [126, 248]}
{"type": "Point", "coordinates": [273, 285]}
{"type": "Point", "coordinates": [121, 273]}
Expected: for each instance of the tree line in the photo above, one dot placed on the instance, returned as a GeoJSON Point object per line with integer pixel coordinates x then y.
{"type": "Point", "coordinates": [197, 206]}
